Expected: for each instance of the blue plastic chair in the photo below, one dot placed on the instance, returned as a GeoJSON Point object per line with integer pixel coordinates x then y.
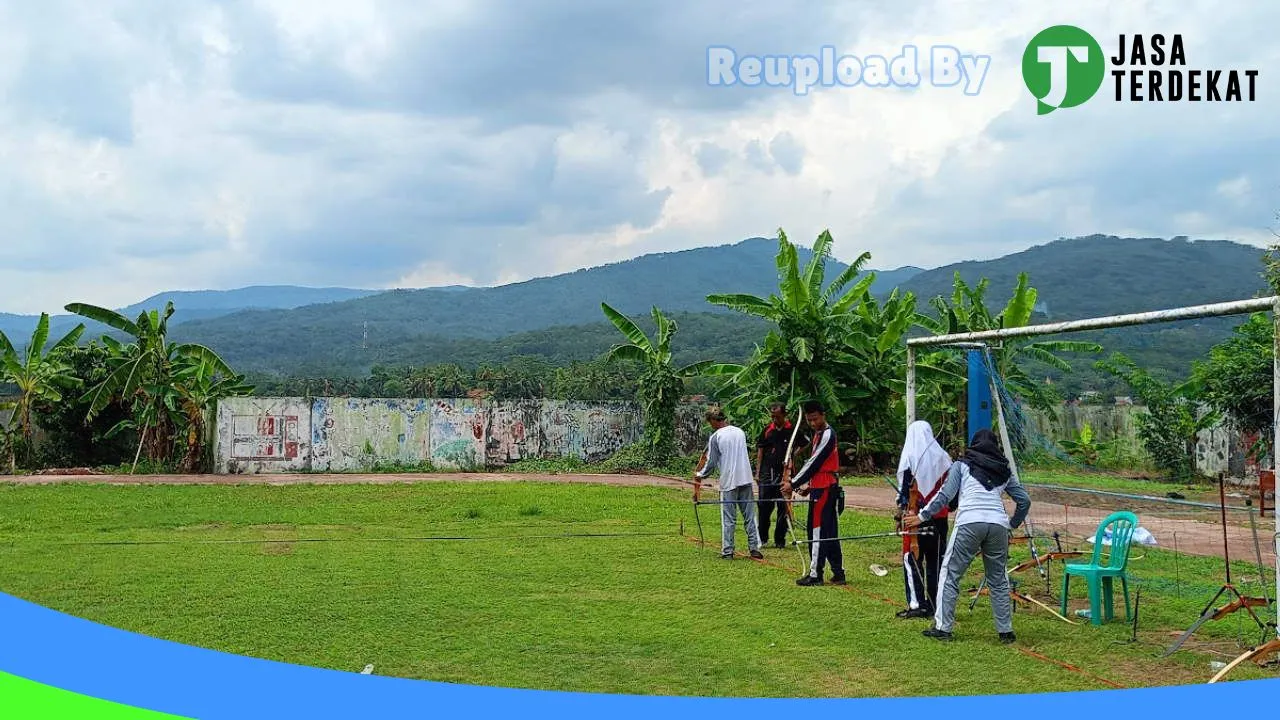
{"type": "Point", "coordinates": [1099, 576]}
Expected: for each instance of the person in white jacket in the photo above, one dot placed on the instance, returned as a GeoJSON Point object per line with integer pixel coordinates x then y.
{"type": "Point", "coordinates": [978, 480]}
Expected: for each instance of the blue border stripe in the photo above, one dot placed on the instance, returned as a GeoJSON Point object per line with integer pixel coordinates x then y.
{"type": "Point", "coordinates": [96, 660]}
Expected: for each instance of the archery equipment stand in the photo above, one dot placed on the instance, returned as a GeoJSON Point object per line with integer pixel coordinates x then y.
{"type": "Point", "coordinates": [1240, 601]}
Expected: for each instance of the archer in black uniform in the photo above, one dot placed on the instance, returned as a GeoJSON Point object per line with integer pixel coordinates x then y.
{"type": "Point", "coordinates": [771, 458]}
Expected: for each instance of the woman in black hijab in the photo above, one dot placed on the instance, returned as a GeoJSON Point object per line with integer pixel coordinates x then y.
{"type": "Point", "coordinates": [978, 480]}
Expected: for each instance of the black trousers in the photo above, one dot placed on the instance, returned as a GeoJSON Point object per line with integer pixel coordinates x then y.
{"type": "Point", "coordinates": [921, 575]}
{"type": "Point", "coordinates": [824, 524]}
{"type": "Point", "coordinates": [770, 497]}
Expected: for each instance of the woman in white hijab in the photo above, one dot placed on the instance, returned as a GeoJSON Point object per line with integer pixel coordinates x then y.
{"type": "Point", "coordinates": [921, 470]}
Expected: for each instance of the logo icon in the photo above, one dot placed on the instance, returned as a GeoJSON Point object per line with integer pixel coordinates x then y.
{"type": "Point", "coordinates": [1063, 66]}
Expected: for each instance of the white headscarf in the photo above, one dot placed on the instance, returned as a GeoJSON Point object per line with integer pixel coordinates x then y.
{"type": "Point", "coordinates": [924, 457]}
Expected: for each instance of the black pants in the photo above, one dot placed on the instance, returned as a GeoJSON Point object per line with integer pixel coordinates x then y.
{"type": "Point", "coordinates": [921, 576]}
{"type": "Point", "coordinates": [770, 497]}
{"type": "Point", "coordinates": [824, 517]}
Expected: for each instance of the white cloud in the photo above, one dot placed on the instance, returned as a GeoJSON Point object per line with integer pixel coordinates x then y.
{"type": "Point", "coordinates": [396, 143]}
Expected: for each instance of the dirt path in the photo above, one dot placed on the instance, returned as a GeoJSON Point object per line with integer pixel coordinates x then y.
{"type": "Point", "coordinates": [340, 479]}
{"type": "Point", "coordinates": [1193, 537]}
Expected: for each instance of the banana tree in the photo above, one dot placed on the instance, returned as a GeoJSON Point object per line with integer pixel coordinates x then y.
{"type": "Point", "coordinates": [804, 355]}
{"type": "Point", "coordinates": [660, 383]}
{"type": "Point", "coordinates": [9, 437]}
{"type": "Point", "coordinates": [141, 373]}
{"type": "Point", "coordinates": [837, 344]}
{"type": "Point", "coordinates": [200, 381]}
{"type": "Point", "coordinates": [37, 373]}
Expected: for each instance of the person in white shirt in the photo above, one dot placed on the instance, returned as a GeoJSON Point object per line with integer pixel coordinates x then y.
{"type": "Point", "coordinates": [727, 451]}
{"type": "Point", "coordinates": [978, 480]}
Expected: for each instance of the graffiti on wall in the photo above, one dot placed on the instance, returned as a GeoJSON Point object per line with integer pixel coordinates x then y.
{"type": "Point", "coordinates": [606, 430]}
{"type": "Point", "coordinates": [356, 433]}
{"type": "Point", "coordinates": [457, 434]}
{"type": "Point", "coordinates": [691, 429]}
{"type": "Point", "coordinates": [586, 431]}
{"type": "Point", "coordinates": [292, 434]}
{"type": "Point", "coordinates": [264, 437]}
{"type": "Point", "coordinates": [257, 434]}
{"type": "Point", "coordinates": [513, 433]}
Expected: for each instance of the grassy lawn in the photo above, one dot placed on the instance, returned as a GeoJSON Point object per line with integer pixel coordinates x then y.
{"type": "Point", "coordinates": [637, 614]}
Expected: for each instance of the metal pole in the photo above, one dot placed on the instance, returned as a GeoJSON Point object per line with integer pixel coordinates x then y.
{"type": "Point", "coordinates": [1222, 499]}
{"type": "Point", "coordinates": [1275, 430]}
{"type": "Point", "coordinates": [1237, 307]}
{"type": "Point", "coordinates": [911, 385]}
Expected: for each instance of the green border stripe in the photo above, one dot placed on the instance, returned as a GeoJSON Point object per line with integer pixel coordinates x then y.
{"type": "Point", "coordinates": [22, 699]}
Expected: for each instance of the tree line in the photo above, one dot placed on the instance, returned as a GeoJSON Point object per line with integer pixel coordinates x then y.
{"type": "Point", "coordinates": [148, 400]}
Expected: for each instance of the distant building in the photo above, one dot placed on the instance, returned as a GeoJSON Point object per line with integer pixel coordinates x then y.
{"type": "Point", "coordinates": [1124, 401]}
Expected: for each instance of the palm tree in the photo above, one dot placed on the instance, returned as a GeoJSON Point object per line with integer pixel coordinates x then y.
{"type": "Point", "coordinates": [660, 384]}
{"type": "Point", "coordinates": [967, 311]}
{"type": "Point", "coordinates": [141, 373]}
{"type": "Point", "coordinates": [39, 375]}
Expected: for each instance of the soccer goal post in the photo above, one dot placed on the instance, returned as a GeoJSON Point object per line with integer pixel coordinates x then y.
{"type": "Point", "coordinates": [1238, 307]}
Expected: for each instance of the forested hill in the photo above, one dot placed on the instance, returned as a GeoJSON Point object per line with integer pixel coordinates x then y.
{"type": "Point", "coordinates": [676, 282]}
{"type": "Point", "coordinates": [188, 305]}
{"type": "Point", "coordinates": [1105, 275]}
{"type": "Point", "coordinates": [559, 317]}
{"type": "Point", "coordinates": [411, 325]}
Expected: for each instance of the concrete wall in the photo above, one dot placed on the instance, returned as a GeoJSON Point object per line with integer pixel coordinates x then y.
{"type": "Point", "coordinates": [257, 435]}
{"type": "Point", "coordinates": [1218, 449]}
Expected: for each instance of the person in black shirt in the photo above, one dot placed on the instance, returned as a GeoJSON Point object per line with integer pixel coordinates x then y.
{"type": "Point", "coordinates": [771, 457]}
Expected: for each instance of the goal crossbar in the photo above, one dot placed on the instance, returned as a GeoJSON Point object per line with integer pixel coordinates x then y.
{"type": "Point", "coordinates": [1238, 307]}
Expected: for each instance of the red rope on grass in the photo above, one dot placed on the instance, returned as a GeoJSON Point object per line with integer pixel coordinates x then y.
{"type": "Point", "coordinates": [1068, 666]}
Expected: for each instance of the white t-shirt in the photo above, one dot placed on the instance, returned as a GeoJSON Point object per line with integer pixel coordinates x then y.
{"type": "Point", "coordinates": [727, 450]}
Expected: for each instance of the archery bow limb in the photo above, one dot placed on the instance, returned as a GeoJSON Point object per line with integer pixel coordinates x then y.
{"type": "Point", "coordinates": [1047, 557]}
{"type": "Point", "coordinates": [1258, 652]}
{"type": "Point", "coordinates": [901, 533]}
{"type": "Point", "coordinates": [697, 487]}
{"type": "Point", "coordinates": [1240, 603]}
{"type": "Point", "coordinates": [786, 478]}
{"type": "Point", "coordinates": [1023, 597]}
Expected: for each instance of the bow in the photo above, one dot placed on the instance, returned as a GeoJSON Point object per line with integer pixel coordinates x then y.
{"type": "Point", "coordinates": [1047, 557]}
{"type": "Point", "coordinates": [1254, 654]}
{"type": "Point", "coordinates": [786, 479]}
{"type": "Point", "coordinates": [1024, 598]}
{"type": "Point", "coordinates": [697, 489]}
{"type": "Point", "coordinates": [1240, 603]}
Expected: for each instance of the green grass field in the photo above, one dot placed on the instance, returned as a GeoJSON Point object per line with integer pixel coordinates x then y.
{"type": "Point", "coordinates": [637, 614]}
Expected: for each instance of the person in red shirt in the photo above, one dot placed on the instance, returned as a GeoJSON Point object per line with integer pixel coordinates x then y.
{"type": "Point", "coordinates": [921, 469]}
{"type": "Point", "coordinates": [819, 473]}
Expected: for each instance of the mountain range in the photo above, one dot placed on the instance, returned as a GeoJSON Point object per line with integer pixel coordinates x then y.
{"type": "Point", "coordinates": [281, 331]}
{"type": "Point", "coordinates": [190, 305]}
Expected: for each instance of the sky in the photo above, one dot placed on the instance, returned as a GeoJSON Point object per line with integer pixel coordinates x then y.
{"type": "Point", "coordinates": [196, 144]}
